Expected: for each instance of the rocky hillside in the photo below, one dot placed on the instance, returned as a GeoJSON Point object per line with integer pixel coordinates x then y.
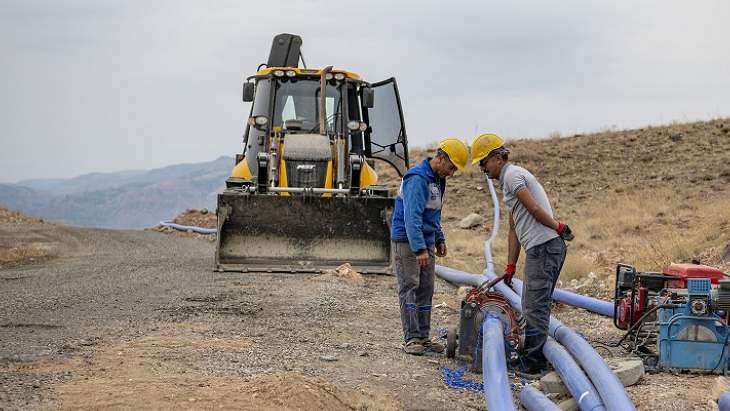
{"type": "Point", "coordinates": [131, 199]}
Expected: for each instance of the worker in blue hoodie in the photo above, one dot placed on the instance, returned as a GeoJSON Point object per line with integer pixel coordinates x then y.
{"type": "Point", "coordinates": [417, 239]}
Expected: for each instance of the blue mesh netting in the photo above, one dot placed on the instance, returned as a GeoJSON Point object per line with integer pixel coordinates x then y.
{"type": "Point", "coordinates": [455, 379]}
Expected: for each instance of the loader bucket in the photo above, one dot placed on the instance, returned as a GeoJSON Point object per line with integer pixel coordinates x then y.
{"type": "Point", "coordinates": [272, 233]}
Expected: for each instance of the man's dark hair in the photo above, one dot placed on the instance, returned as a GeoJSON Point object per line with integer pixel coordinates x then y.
{"type": "Point", "coordinates": [501, 151]}
{"type": "Point", "coordinates": [442, 153]}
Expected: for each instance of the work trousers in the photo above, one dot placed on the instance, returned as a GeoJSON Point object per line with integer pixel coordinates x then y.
{"type": "Point", "coordinates": [542, 268]}
{"type": "Point", "coordinates": [415, 290]}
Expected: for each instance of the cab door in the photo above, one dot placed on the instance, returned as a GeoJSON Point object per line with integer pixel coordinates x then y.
{"type": "Point", "coordinates": [385, 137]}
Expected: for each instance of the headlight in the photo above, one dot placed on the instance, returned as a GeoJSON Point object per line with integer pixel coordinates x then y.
{"type": "Point", "coordinates": [355, 125]}
{"type": "Point", "coordinates": [339, 76]}
{"type": "Point", "coordinates": [278, 73]}
{"type": "Point", "coordinates": [258, 121]}
{"type": "Point", "coordinates": [291, 73]}
{"type": "Point", "coordinates": [328, 76]}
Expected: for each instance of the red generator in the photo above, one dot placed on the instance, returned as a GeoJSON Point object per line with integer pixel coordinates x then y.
{"type": "Point", "coordinates": [636, 293]}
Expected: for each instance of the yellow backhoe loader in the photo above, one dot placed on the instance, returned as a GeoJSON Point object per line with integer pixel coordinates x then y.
{"type": "Point", "coordinates": [304, 195]}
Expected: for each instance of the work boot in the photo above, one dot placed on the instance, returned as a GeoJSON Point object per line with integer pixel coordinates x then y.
{"type": "Point", "coordinates": [430, 345]}
{"type": "Point", "coordinates": [414, 347]}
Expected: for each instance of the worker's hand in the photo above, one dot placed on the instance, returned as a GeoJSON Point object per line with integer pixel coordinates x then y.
{"type": "Point", "coordinates": [441, 249]}
{"type": "Point", "coordinates": [509, 272]}
{"type": "Point", "coordinates": [422, 258]}
{"type": "Point", "coordinates": [565, 232]}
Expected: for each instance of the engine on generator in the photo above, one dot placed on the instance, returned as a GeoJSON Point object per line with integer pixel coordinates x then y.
{"type": "Point", "coordinates": [676, 319]}
{"type": "Point", "coordinates": [464, 342]}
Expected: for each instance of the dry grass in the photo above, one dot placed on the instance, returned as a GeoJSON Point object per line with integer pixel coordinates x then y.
{"type": "Point", "coordinates": [653, 228]}
{"type": "Point", "coordinates": [650, 230]}
{"type": "Point", "coordinates": [21, 254]}
{"type": "Point", "coordinates": [13, 217]}
{"type": "Point", "coordinates": [647, 197]}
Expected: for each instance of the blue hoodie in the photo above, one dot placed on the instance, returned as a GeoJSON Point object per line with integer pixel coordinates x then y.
{"type": "Point", "coordinates": [417, 215]}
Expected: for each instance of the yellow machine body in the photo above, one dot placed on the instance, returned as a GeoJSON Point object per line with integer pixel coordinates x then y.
{"type": "Point", "coordinates": [303, 196]}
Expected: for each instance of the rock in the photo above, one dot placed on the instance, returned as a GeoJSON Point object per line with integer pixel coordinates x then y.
{"type": "Point", "coordinates": [472, 220]}
{"type": "Point", "coordinates": [726, 253]}
{"type": "Point", "coordinates": [675, 137]}
{"type": "Point", "coordinates": [628, 372]}
{"type": "Point", "coordinates": [552, 384]}
{"type": "Point", "coordinates": [328, 358]}
{"type": "Point", "coordinates": [568, 405]}
{"type": "Point", "coordinates": [344, 272]}
{"type": "Point", "coordinates": [204, 211]}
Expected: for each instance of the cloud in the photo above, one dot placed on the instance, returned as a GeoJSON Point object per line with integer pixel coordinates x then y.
{"type": "Point", "coordinates": [101, 86]}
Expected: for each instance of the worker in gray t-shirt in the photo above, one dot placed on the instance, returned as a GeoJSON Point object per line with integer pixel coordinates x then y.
{"type": "Point", "coordinates": [534, 228]}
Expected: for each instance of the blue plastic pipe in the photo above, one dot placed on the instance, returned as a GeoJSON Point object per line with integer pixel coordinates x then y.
{"type": "Point", "coordinates": [459, 277]}
{"type": "Point", "coordinates": [494, 367]}
{"type": "Point", "coordinates": [724, 402]}
{"type": "Point", "coordinates": [578, 384]}
{"type": "Point", "coordinates": [578, 381]}
{"type": "Point", "coordinates": [609, 387]}
{"type": "Point", "coordinates": [576, 300]}
{"type": "Point", "coordinates": [180, 227]}
{"type": "Point", "coordinates": [534, 400]}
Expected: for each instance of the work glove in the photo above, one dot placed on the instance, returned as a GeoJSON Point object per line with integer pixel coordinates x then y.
{"type": "Point", "coordinates": [565, 232]}
{"type": "Point", "coordinates": [509, 272]}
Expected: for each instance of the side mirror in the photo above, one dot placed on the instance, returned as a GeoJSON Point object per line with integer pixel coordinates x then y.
{"type": "Point", "coordinates": [248, 90]}
{"type": "Point", "coordinates": [368, 97]}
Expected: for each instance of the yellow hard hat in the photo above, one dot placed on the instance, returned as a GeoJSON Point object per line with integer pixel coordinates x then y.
{"type": "Point", "coordinates": [483, 145]}
{"type": "Point", "coordinates": [457, 151]}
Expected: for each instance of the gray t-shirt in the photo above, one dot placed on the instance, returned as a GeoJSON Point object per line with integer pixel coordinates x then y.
{"type": "Point", "coordinates": [530, 232]}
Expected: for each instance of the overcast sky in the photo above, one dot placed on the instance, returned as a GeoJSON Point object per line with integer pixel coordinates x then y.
{"type": "Point", "coordinates": [113, 85]}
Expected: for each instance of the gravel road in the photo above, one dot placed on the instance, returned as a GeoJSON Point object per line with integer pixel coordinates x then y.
{"type": "Point", "coordinates": [137, 319]}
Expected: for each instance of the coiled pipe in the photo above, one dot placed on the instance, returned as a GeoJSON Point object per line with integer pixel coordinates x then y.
{"type": "Point", "coordinates": [494, 367]}
{"type": "Point", "coordinates": [534, 400]}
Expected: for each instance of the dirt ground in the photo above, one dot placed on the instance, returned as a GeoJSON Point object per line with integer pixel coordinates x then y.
{"type": "Point", "coordinates": [133, 320]}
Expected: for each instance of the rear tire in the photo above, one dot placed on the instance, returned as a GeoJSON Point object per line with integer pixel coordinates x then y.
{"type": "Point", "coordinates": [451, 342]}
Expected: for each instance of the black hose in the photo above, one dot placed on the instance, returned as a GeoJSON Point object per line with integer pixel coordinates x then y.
{"type": "Point", "coordinates": [635, 325]}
